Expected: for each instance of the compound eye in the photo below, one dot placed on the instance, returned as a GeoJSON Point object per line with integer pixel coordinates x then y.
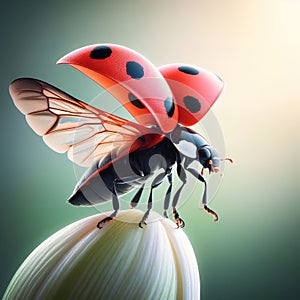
{"type": "Point", "coordinates": [204, 156]}
{"type": "Point", "coordinates": [210, 162]}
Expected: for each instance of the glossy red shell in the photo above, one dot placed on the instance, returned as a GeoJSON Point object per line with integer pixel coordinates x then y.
{"type": "Point", "coordinates": [134, 81]}
{"type": "Point", "coordinates": [194, 89]}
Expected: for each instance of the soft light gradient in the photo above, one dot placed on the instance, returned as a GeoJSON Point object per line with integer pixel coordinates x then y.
{"type": "Point", "coordinates": [253, 251]}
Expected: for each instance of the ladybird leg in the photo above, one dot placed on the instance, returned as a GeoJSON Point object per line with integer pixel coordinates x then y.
{"type": "Point", "coordinates": [168, 195]}
{"type": "Point", "coordinates": [156, 182]}
{"type": "Point", "coordinates": [115, 201]}
{"type": "Point", "coordinates": [116, 206]}
{"type": "Point", "coordinates": [179, 222]}
{"type": "Point", "coordinates": [146, 215]}
{"type": "Point", "coordinates": [182, 176]}
{"type": "Point", "coordinates": [204, 198]}
{"type": "Point", "coordinates": [137, 197]}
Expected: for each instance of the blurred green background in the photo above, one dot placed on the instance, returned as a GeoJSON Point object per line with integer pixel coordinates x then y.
{"type": "Point", "coordinates": [253, 251]}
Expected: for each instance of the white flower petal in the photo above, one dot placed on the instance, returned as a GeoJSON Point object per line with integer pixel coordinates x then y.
{"type": "Point", "coordinates": [183, 252]}
{"type": "Point", "coordinates": [120, 261]}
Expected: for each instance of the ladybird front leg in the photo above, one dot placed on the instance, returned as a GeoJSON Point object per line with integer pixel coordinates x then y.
{"type": "Point", "coordinates": [211, 212]}
{"type": "Point", "coordinates": [204, 198]}
{"type": "Point", "coordinates": [178, 221]}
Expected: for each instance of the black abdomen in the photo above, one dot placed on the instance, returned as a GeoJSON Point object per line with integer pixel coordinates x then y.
{"type": "Point", "coordinates": [100, 181]}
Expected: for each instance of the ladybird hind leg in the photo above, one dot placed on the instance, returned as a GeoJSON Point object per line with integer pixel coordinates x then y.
{"type": "Point", "coordinates": [149, 207]}
{"type": "Point", "coordinates": [134, 202]}
{"type": "Point", "coordinates": [116, 206]}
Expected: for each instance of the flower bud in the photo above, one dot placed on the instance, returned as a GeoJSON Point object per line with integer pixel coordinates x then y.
{"type": "Point", "coordinates": [119, 261]}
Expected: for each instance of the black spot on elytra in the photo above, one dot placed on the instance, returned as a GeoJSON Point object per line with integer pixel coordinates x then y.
{"type": "Point", "coordinates": [100, 52]}
{"type": "Point", "coordinates": [134, 70]}
{"type": "Point", "coordinates": [136, 102]}
{"type": "Point", "coordinates": [188, 70]}
{"type": "Point", "coordinates": [192, 104]}
{"type": "Point", "coordinates": [169, 106]}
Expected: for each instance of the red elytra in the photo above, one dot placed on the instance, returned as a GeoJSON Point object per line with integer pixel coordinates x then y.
{"type": "Point", "coordinates": [134, 81]}
{"type": "Point", "coordinates": [195, 90]}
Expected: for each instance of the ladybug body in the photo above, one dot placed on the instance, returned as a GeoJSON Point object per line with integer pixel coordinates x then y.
{"type": "Point", "coordinates": [102, 182]}
{"type": "Point", "coordinates": [122, 155]}
{"type": "Point", "coordinates": [99, 183]}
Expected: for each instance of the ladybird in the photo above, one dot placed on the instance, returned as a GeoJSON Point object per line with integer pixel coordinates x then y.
{"type": "Point", "coordinates": [122, 155]}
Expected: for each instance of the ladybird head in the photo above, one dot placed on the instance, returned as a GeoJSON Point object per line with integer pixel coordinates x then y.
{"type": "Point", "coordinates": [193, 145]}
{"type": "Point", "coordinates": [209, 158]}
